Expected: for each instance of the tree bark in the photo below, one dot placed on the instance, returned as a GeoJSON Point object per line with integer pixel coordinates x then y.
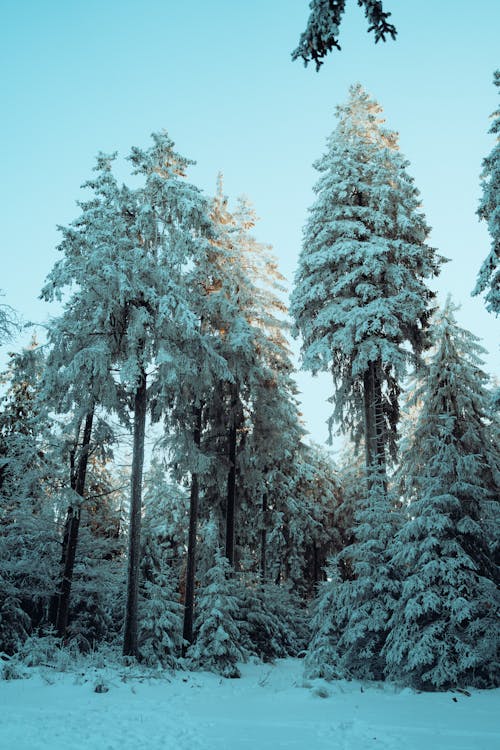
{"type": "Point", "coordinates": [231, 492]}
{"type": "Point", "coordinates": [374, 427]}
{"type": "Point", "coordinates": [369, 418]}
{"type": "Point", "coordinates": [263, 539]}
{"type": "Point", "coordinates": [193, 529]}
{"type": "Point", "coordinates": [71, 529]}
{"type": "Point", "coordinates": [130, 646]}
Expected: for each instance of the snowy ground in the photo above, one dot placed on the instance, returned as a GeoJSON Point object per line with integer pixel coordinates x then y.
{"type": "Point", "coordinates": [270, 707]}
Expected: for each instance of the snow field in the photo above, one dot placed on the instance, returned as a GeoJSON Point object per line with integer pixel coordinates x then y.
{"type": "Point", "coordinates": [270, 707]}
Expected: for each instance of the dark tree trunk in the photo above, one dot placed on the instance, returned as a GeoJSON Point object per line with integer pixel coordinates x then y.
{"type": "Point", "coordinates": [134, 550]}
{"type": "Point", "coordinates": [380, 429]}
{"type": "Point", "coordinates": [263, 539]}
{"type": "Point", "coordinates": [71, 529]}
{"type": "Point", "coordinates": [374, 426]}
{"type": "Point", "coordinates": [369, 418]}
{"type": "Point", "coordinates": [231, 483]}
{"type": "Point", "coordinates": [193, 529]}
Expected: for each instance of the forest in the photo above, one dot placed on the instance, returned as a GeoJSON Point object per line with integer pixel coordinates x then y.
{"type": "Point", "coordinates": [159, 497]}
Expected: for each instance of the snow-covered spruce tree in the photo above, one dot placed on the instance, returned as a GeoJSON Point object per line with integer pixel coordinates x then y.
{"type": "Point", "coordinates": [127, 254]}
{"type": "Point", "coordinates": [29, 496]}
{"type": "Point", "coordinates": [362, 306]}
{"type": "Point", "coordinates": [166, 505]}
{"type": "Point", "coordinates": [160, 627]}
{"type": "Point", "coordinates": [303, 496]}
{"type": "Point", "coordinates": [198, 387]}
{"type": "Point", "coordinates": [364, 585]}
{"type": "Point", "coordinates": [489, 209]}
{"type": "Point", "coordinates": [445, 630]}
{"type": "Point", "coordinates": [241, 339]}
{"type": "Point", "coordinates": [360, 295]}
{"type": "Point", "coordinates": [84, 347]}
{"type": "Point", "coordinates": [217, 646]}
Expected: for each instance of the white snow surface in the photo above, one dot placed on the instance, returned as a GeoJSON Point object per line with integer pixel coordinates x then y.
{"type": "Point", "coordinates": [270, 707]}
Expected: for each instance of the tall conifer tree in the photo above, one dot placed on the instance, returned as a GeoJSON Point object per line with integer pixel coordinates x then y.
{"type": "Point", "coordinates": [445, 628]}
{"type": "Point", "coordinates": [360, 295]}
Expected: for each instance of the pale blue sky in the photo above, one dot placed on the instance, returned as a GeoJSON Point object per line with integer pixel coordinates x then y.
{"type": "Point", "coordinates": [78, 77]}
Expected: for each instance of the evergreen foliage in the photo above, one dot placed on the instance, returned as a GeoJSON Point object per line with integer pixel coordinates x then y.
{"type": "Point", "coordinates": [160, 630]}
{"type": "Point", "coordinates": [360, 294]}
{"type": "Point", "coordinates": [445, 628]}
{"type": "Point", "coordinates": [217, 647]}
{"type": "Point", "coordinates": [488, 279]}
{"type": "Point", "coordinates": [352, 616]}
{"type": "Point", "coordinates": [29, 496]}
{"type": "Point", "coordinates": [322, 32]}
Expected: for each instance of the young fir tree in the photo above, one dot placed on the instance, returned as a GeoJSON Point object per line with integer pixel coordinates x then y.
{"type": "Point", "coordinates": [445, 628]}
{"type": "Point", "coordinates": [489, 209]}
{"type": "Point", "coordinates": [217, 647]}
{"type": "Point", "coordinates": [160, 633]}
{"type": "Point", "coordinates": [364, 587]}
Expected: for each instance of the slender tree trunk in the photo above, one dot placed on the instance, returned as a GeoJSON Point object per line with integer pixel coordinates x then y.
{"type": "Point", "coordinates": [130, 647]}
{"type": "Point", "coordinates": [381, 438]}
{"type": "Point", "coordinates": [71, 529]}
{"type": "Point", "coordinates": [263, 539]}
{"type": "Point", "coordinates": [369, 418]}
{"type": "Point", "coordinates": [374, 427]}
{"type": "Point", "coordinates": [193, 530]}
{"type": "Point", "coordinates": [231, 485]}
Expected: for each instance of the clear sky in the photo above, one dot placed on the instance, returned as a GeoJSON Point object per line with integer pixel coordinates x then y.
{"type": "Point", "coordinates": [80, 76]}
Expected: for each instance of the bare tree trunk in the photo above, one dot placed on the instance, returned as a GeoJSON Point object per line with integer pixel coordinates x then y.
{"type": "Point", "coordinates": [130, 647]}
{"type": "Point", "coordinates": [374, 426]}
{"type": "Point", "coordinates": [380, 428]}
{"type": "Point", "coordinates": [71, 529]}
{"type": "Point", "coordinates": [369, 419]}
{"type": "Point", "coordinates": [263, 539]}
{"type": "Point", "coordinates": [231, 484]}
{"type": "Point", "coordinates": [193, 528]}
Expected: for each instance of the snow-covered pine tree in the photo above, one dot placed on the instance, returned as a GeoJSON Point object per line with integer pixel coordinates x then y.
{"type": "Point", "coordinates": [489, 209]}
{"type": "Point", "coordinates": [197, 388]}
{"type": "Point", "coordinates": [160, 629]}
{"type": "Point", "coordinates": [361, 304]}
{"type": "Point", "coordinates": [29, 497]}
{"type": "Point", "coordinates": [84, 346]}
{"type": "Point", "coordinates": [127, 255]}
{"type": "Point", "coordinates": [304, 495]}
{"type": "Point", "coordinates": [217, 647]}
{"type": "Point", "coordinates": [360, 293]}
{"type": "Point", "coordinates": [445, 628]}
{"type": "Point", "coordinates": [364, 588]}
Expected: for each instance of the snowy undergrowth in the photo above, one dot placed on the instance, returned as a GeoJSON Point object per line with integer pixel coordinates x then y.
{"type": "Point", "coordinates": [113, 706]}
